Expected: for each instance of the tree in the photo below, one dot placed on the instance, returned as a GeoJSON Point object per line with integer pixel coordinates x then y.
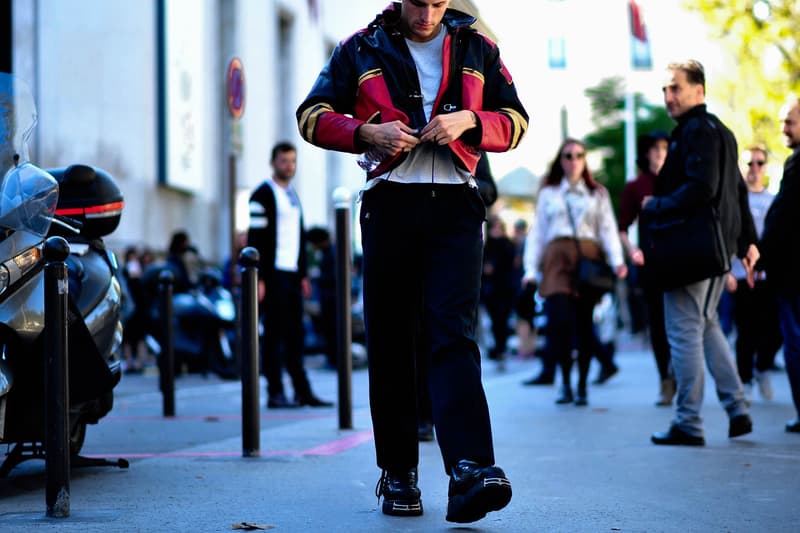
{"type": "Point", "coordinates": [608, 108]}
{"type": "Point", "coordinates": [763, 39]}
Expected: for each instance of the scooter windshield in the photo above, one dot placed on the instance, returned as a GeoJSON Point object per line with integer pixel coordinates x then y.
{"type": "Point", "coordinates": [28, 195]}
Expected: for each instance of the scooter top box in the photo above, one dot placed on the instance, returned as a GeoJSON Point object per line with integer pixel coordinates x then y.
{"type": "Point", "coordinates": [90, 196]}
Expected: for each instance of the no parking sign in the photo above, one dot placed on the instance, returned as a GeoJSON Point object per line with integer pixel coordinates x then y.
{"type": "Point", "coordinates": [235, 88]}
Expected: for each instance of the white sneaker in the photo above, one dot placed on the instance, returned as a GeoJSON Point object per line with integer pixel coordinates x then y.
{"type": "Point", "coordinates": [764, 385]}
{"type": "Point", "coordinates": [748, 394]}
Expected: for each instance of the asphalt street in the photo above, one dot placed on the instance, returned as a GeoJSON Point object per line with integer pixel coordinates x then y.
{"type": "Point", "coordinates": [581, 469]}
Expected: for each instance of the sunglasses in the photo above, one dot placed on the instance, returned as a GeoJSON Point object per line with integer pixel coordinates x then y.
{"type": "Point", "coordinates": [759, 163]}
{"type": "Point", "coordinates": [573, 155]}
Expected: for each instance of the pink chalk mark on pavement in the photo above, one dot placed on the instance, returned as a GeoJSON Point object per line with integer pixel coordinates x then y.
{"type": "Point", "coordinates": [340, 445]}
{"type": "Point", "coordinates": [333, 447]}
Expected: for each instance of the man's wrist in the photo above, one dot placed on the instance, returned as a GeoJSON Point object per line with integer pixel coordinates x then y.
{"type": "Point", "coordinates": [366, 133]}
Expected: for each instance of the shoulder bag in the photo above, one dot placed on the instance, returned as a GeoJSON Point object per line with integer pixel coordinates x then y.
{"type": "Point", "coordinates": [593, 277]}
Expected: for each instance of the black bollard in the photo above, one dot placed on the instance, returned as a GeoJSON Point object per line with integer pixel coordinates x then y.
{"type": "Point", "coordinates": [166, 362]}
{"type": "Point", "coordinates": [56, 376]}
{"type": "Point", "coordinates": [344, 356]}
{"type": "Point", "coordinates": [248, 315]}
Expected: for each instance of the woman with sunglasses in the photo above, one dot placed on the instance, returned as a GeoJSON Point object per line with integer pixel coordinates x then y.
{"type": "Point", "coordinates": [755, 310]}
{"type": "Point", "coordinates": [570, 197]}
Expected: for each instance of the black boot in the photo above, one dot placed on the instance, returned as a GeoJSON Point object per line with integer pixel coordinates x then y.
{"type": "Point", "coordinates": [581, 398]}
{"type": "Point", "coordinates": [544, 378]}
{"type": "Point", "coordinates": [401, 496]}
{"type": "Point", "coordinates": [475, 491]}
{"type": "Point", "coordinates": [565, 396]}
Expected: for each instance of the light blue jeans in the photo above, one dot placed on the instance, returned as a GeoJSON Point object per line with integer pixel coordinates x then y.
{"type": "Point", "coordinates": [694, 335]}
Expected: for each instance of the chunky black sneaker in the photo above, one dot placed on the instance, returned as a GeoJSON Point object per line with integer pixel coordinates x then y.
{"type": "Point", "coordinates": [401, 496]}
{"type": "Point", "coordinates": [475, 491]}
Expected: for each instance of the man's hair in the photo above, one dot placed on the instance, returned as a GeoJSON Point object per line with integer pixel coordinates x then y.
{"type": "Point", "coordinates": [695, 73]}
{"type": "Point", "coordinates": [281, 147]}
{"type": "Point", "coordinates": [318, 235]}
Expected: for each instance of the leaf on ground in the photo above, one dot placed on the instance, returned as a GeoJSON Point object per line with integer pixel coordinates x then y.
{"type": "Point", "coordinates": [249, 526]}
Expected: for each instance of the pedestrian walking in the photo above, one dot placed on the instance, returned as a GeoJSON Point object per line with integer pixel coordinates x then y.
{"type": "Point", "coordinates": [276, 231]}
{"type": "Point", "coordinates": [781, 247]}
{"type": "Point", "coordinates": [324, 281]}
{"type": "Point", "coordinates": [418, 92]}
{"type": "Point", "coordinates": [135, 323]}
{"type": "Point", "coordinates": [701, 174]}
{"type": "Point", "coordinates": [604, 344]}
{"type": "Point", "coordinates": [573, 217]}
{"type": "Point", "coordinates": [651, 153]}
{"type": "Point", "coordinates": [524, 304]}
{"type": "Point", "coordinates": [497, 285]}
{"type": "Point", "coordinates": [182, 260]}
{"type": "Point", "coordinates": [755, 310]}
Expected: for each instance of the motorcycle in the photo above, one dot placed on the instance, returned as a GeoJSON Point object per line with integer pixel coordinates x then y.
{"type": "Point", "coordinates": [204, 324]}
{"type": "Point", "coordinates": [36, 204]}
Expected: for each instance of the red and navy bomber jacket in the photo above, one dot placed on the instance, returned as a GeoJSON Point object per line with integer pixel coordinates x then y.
{"type": "Point", "coordinates": [371, 78]}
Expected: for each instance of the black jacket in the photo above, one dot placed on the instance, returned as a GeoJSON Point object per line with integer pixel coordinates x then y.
{"type": "Point", "coordinates": [780, 243]}
{"type": "Point", "coordinates": [486, 185]}
{"type": "Point", "coordinates": [703, 155]}
{"type": "Point", "coordinates": [263, 237]}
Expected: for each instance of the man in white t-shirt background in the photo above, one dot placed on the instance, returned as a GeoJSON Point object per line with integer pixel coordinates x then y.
{"type": "Point", "coordinates": [276, 231]}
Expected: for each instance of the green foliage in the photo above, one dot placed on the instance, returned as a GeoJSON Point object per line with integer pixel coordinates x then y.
{"type": "Point", "coordinates": [608, 108]}
{"type": "Point", "coordinates": [767, 64]}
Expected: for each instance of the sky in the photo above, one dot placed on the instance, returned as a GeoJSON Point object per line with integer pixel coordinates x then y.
{"type": "Point", "coordinates": [597, 46]}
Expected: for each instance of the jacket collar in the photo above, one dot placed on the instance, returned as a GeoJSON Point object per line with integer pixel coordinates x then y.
{"type": "Point", "coordinates": [389, 21]}
{"type": "Point", "coordinates": [696, 111]}
{"type": "Point", "coordinates": [579, 188]}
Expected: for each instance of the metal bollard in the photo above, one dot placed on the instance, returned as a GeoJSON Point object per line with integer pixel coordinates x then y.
{"type": "Point", "coordinates": [344, 355]}
{"type": "Point", "coordinates": [56, 372]}
{"type": "Point", "coordinates": [166, 362]}
{"type": "Point", "coordinates": [248, 315]}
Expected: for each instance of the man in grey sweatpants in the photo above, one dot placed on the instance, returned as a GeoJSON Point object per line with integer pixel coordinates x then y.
{"type": "Point", "coordinates": [701, 169]}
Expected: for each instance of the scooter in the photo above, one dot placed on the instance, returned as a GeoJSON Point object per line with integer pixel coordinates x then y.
{"type": "Point", "coordinates": [35, 204]}
{"type": "Point", "coordinates": [204, 325]}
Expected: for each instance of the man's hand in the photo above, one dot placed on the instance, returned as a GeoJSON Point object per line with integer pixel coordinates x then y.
{"type": "Point", "coordinates": [622, 271]}
{"type": "Point", "coordinates": [391, 137]}
{"type": "Point", "coordinates": [262, 290]}
{"type": "Point", "coordinates": [446, 128]}
{"type": "Point", "coordinates": [637, 257]}
{"type": "Point", "coordinates": [305, 287]}
{"type": "Point", "coordinates": [749, 261]}
{"type": "Point", "coordinates": [731, 283]}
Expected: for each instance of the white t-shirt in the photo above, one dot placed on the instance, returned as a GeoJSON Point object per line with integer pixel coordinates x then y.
{"type": "Point", "coordinates": [759, 205]}
{"type": "Point", "coordinates": [287, 232]}
{"type": "Point", "coordinates": [428, 59]}
{"type": "Point", "coordinates": [428, 162]}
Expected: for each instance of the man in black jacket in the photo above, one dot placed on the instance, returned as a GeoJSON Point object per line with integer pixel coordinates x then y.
{"type": "Point", "coordinates": [781, 249]}
{"type": "Point", "coordinates": [419, 93]}
{"type": "Point", "coordinates": [276, 231]}
{"type": "Point", "coordinates": [701, 161]}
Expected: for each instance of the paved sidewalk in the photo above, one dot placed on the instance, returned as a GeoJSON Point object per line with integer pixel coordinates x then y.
{"type": "Point", "coordinates": [572, 469]}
